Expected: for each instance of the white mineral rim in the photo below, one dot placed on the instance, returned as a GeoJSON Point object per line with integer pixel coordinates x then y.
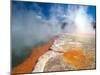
{"type": "Point", "coordinates": [43, 59]}
{"type": "Point", "coordinates": [61, 44]}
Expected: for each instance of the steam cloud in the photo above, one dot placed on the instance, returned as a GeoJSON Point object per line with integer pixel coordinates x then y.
{"type": "Point", "coordinates": [30, 28]}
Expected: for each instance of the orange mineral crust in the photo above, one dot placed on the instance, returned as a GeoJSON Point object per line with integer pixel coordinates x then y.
{"type": "Point", "coordinates": [75, 57]}
{"type": "Point", "coordinates": [28, 65]}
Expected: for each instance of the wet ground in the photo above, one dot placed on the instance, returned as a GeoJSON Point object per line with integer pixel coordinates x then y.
{"type": "Point", "coordinates": [69, 52]}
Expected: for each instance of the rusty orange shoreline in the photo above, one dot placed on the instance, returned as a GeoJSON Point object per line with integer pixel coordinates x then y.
{"type": "Point", "coordinates": [76, 56]}
{"type": "Point", "coordinates": [28, 65]}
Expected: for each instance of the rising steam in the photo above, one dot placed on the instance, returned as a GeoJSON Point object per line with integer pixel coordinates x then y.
{"type": "Point", "coordinates": [30, 28]}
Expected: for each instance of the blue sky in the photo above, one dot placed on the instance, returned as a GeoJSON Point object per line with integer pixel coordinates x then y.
{"type": "Point", "coordinates": [45, 7]}
{"type": "Point", "coordinates": [33, 22]}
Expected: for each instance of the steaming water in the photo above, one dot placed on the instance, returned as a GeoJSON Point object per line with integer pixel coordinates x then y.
{"type": "Point", "coordinates": [31, 28]}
